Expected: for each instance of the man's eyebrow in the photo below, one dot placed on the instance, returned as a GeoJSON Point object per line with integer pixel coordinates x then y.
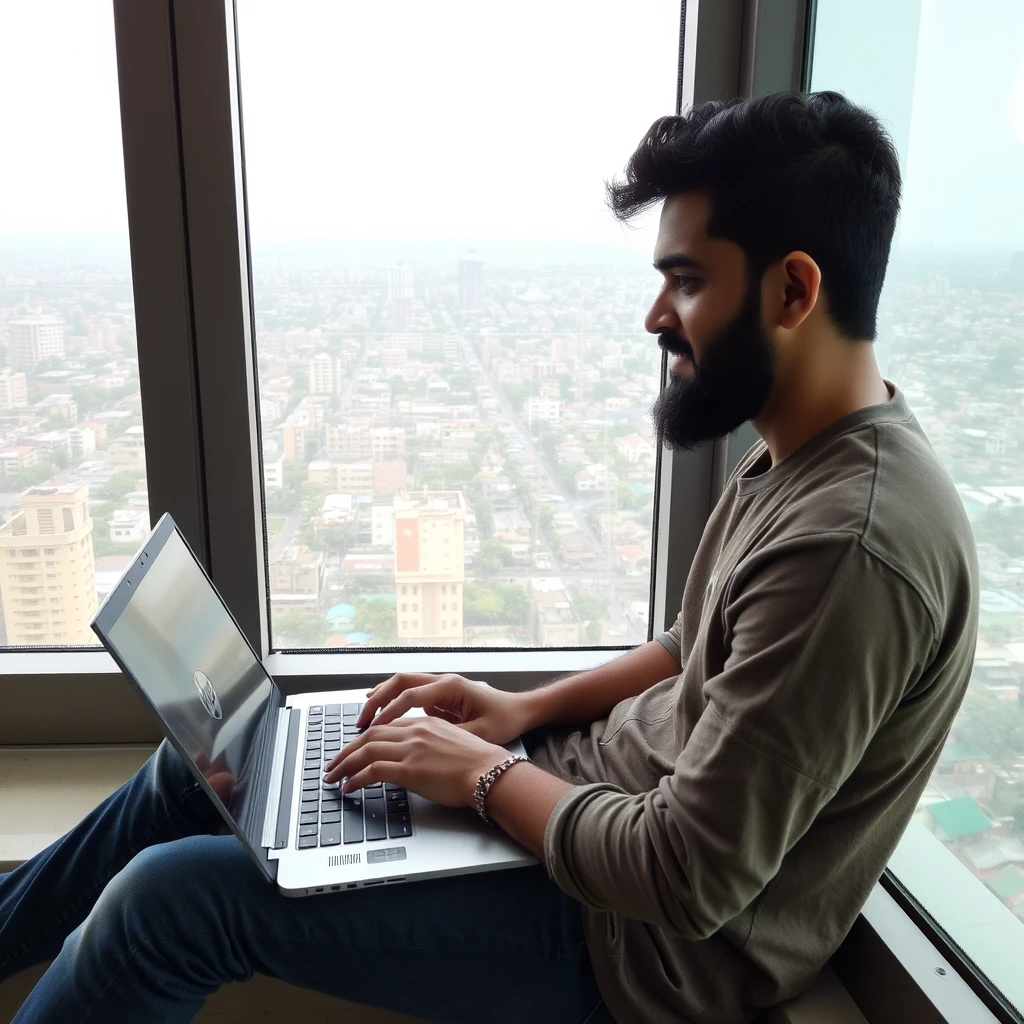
{"type": "Point", "coordinates": [677, 259]}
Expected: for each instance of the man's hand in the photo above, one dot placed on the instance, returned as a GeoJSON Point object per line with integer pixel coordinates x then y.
{"type": "Point", "coordinates": [432, 757]}
{"type": "Point", "coordinates": [491, 714]}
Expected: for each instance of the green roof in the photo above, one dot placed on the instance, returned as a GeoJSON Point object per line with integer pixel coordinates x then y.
{"type": "Point", "coordinates": [1007, 884]}
{"type": "Point", "coordinates": [960, 817]}
{"type": "Point", "coordinates": [954, 751]}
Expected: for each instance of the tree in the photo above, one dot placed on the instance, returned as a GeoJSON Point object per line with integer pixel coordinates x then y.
{"type": "Point", "coordinates": [493, 556]}
{"type": "Point", "coordinates": [590, 612]}
{"type": "Point", "coordinates": [995, 726]}
{"type": "Point", "coordinates": [337, 539]}
{"type": "Point", "coordinates": [118, 487]}
{"type": "Point", "coordinates": [305, 628]}
{"type": "Point", "coordinates": [379, 619]}
{"type": "Point", "coordinates": [484, 517]}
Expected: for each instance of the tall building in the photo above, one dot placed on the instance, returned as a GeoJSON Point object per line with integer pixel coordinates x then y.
{"type": "Point", "coordinates": [429, 567]}
{"type": "Point", "coordinates": [471, 281]}
{"type": "Point", "coordinates": [35, 338]}
{"type": "Point", "coordinates": [13, 390]}
{"type": "Point", "coordinates": [47, 583]}
{"type": "Point", "coordinates": [324, 375]}
{"type": "Point", "coordinates": [400, 296]}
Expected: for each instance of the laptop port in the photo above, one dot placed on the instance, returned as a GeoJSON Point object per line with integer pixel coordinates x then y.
{"type": "Point", "coordinates": [335, 888]}
{"type": "Point", "coordinates": [352, 885]}
{"type": "Point", "coordinates": [375, 881]}
{"type": "Point", "coordinates": [396, 879]}
{"type": "Point", "coordinates": [319, 890]}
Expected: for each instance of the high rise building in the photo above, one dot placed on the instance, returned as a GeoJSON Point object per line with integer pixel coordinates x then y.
{"type": "Point", "coordinates": [401, 296]}
{"type": "Point", "coordinates": [13, 390]}
{"type": "Point", "coordinates": [471, 281]}
{"type": "Point", "coordinates": [324, 375]}
{"type": "Point", "coordinates": [429, 567]}
{"type": "Point", "coordinates": [35, 338]}
{"type": "Point", "coordinates": [47, 583]}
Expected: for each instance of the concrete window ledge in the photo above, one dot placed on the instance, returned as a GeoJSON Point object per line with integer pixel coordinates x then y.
{"type": "Point", "coordinates": [44, 791]}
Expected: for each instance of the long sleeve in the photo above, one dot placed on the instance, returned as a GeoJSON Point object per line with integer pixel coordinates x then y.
{"type": "Point", "coordinates": [822, 637]}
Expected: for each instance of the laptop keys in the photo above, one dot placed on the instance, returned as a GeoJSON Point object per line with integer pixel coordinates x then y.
{"type": "Point", "coordinates": [375, 824]}
{"type": "Point", "coordinates": [307, 830]}
{"type": "Point", "coordinates": [330, 835]}
{"type": "Point", "coordinates": [330, 817]}
{"type": "Point", "coordinates": [309, 818]}
{"type": "Point", "coordinates": [399, 826]}
{"type": "Point", "coordinates": [306, 842]}
{"type": "Point", "coordinates": [353, 824]}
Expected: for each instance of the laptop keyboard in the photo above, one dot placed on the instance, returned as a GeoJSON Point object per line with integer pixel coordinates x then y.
{"type": "Point", "coordinates": [326, 817]}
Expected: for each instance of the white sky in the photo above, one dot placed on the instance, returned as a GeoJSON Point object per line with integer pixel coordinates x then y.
{"type": "Point", "coordinates": [462, 119]}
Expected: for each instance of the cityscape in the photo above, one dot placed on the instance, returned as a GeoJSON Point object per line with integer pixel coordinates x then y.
{"type": "Point", "coordinates": [458, 452]}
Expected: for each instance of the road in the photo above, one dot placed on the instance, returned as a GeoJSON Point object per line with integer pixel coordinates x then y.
{"type": "Point", "coordinates": [285, 536]}
{"type": "Point", "coordinates": [551, 478]}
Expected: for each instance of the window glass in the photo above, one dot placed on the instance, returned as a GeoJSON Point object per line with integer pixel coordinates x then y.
{"type": "Point", "coordinates": [71, 445]}
{"type": "Point", "coordinates": [454, 380]}
{"type": "Point", "coordinates": [950, 87]}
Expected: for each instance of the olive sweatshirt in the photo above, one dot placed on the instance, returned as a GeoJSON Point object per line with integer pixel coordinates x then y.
{"type": "Point", "coordinates": [729, 822]}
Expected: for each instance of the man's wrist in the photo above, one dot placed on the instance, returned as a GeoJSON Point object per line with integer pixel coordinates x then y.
{"type": "Point", "coordinates": [538, 704]}
{"type": "Point", "coordinates": [482, 767]}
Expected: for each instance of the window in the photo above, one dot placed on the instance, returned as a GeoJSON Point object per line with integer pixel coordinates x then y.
{"type": "Point", "coordinates": [951, 335]}
{"type": "Point", "coordinates": [69, 385]}
{"type": "Point", "coordinates": [454, 389]}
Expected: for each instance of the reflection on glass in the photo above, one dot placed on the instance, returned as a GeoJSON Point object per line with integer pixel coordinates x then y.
{"type": "Point", "coordinates": [73, 499]}
{"type": "Point", "coordinates": [952, 336]}
{"type": "Point", "coordinates": [455, 383]}
{"type": "Point", "coordinates": [181, 645]}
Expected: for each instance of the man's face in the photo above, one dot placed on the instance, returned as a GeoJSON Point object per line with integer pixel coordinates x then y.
{"type": "Point", "coordinates": [707, 315]}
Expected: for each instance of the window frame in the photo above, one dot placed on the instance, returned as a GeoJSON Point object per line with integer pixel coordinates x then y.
{"type": "Point", "coordinates": [181, 135]}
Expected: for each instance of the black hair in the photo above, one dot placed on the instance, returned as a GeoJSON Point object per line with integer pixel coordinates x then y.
{"type": "Point", "coordinates": [786, 171]}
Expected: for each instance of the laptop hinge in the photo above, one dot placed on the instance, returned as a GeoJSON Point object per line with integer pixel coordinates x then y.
{"type": "Point", "coordinates": [275, 786]}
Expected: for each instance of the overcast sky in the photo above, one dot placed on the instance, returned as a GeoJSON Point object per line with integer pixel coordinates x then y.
{"type": "Point", "coordinates": [479, 121]}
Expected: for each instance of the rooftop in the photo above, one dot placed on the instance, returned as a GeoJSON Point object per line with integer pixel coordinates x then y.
{"type": "Point", "coordinates": [960, 817]}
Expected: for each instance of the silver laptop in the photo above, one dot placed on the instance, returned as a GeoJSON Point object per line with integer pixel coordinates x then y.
{"type": "Point", "coordinates": [260, 755]}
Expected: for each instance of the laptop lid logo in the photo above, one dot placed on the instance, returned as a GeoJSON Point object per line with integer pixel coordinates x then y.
{"type": "Point", "coordinates": [207, 694]}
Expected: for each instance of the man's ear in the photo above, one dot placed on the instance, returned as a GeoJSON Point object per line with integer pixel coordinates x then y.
{"type": "Point", "coordinates": [801, 285]}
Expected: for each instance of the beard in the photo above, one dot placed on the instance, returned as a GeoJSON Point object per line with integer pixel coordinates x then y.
{"type": "Point", "coordinates": [729, 387]}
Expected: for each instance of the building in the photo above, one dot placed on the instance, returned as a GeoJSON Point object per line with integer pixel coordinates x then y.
{"type": "Point", "coordinates": [273, 473]}
{"type": "Point", "coordinates": [47, 583]}
{"type": "Point", "coordinates": [551, 616]}
{"type": "Point", "coordinates": [382, 528]}
{"type": "Point", "coordinates": [401, 295]}
{"type": "Point", "coordinates": [129, 525]}
{"type": "Point", "coordinates": [16, 459]}
{"type": "Point", "coordinates": [13, 390]}
{"type": "Point", "coordinates": [128, 452]}
{"type": "Point", "coordinates": [82, 442]}
{"type": "Point", "coordinates": [547, 409]}
{"type": "Point", "coordinates": [34, 339]}
{"type": "Point", "coordinates": [342, 477]}
{"type": "Point", "coordinates": [324, 375]}
{"type": "Point", "coordinates": [429, 567]}
{"type": "Point", "coordinates": [471, 281]}
{"type": "Point", "coordinates": [360, 441]}
{"type": "Point", "coordinates": [389, 477]}
{"type": "Point", "coordinates": [293, 438]}
{"type": "Point", "coordinates": [297, 578]}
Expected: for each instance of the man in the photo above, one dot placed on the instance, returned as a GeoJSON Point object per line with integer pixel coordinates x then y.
{"type": "Point", "coordinates": [712, 808]}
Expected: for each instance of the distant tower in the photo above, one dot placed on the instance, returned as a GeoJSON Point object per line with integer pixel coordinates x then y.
{"type": "Point", "coordinates": [35, 338]}
{"type": "Point", "coordinates": [400, 296]}
{"type": "Point", "coordinates": [471, 281]}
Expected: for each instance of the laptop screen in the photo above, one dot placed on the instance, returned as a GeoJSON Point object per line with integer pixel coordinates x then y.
{"type": "Point", "coordinates": [185, 652]}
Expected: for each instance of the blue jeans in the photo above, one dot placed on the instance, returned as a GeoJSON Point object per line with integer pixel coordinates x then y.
{"type": "Point", "coordinates": [149, 905]}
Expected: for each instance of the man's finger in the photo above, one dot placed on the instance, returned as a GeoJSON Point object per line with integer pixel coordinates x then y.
{"type": "Point", "coordinates": [382, 694]}
{"type": "Point", "coordinates": [354, 761]}
{"type": "Point", "coordinates": [379, 771]}
{"type": "Point", "coordinates": [415, 697]}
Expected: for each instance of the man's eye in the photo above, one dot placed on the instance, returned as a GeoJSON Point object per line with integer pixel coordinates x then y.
{"type": "Point", "coordinates": [683, 281]}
